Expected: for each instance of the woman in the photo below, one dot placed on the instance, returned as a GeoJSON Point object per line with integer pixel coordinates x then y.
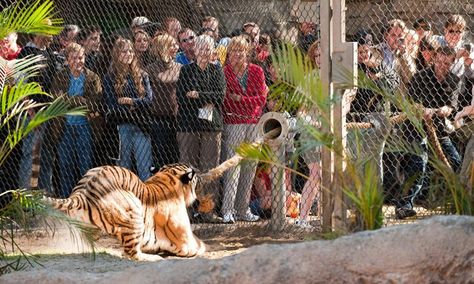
{"type": "Point", "coordinates": [264, 58]}
{"type": "Point", "coordinates": [141, 42]}
{"type": "Point", "coordinates": [128, 95]}
{"type": "Point", "coordinates": [425, 55]}
{"type": "Point", "coordinates": [246, 96]}
{"type": "Point", "coordinates": [83, 88]}
{"type": "Point", "coordinates": [310, 153]}
{"type": "Point", "coordinates": [200, 92]}
{"type": "Point", "coordinates": [164, 73]}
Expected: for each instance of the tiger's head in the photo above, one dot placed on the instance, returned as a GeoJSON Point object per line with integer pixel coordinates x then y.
{"type": "Point", "coordinates": [188, 175]}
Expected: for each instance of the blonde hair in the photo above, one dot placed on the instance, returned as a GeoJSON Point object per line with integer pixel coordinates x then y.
{"type": "Point", "coordinates": [160, 45]}
{"type": "Point", "coordinates": [396, 23]}
{"type": "Point", "coordinates": [71, 48]}
{"type": "Point", "coordinates": [314, 47]}
{"type": "Point", "coordinates": [455, 20]}
{"type": "Point", "coordinates": [238, 43]}
{"type": "Point", "coordinates": [121, 70]}
{"type": "Point", "coordinates": [209, 19]}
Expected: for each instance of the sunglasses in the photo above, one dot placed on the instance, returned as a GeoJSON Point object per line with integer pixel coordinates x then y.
{"type": "Point", "coordinates": [204, 30]}
{"type": "Point", "coordinates": [188, 39]}
{"type": "Point", "coordinates": [455, 31]}
{"type": "Point", "coordinates": [425, 28]}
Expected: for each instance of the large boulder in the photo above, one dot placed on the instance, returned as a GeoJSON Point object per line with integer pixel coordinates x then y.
{"type": "Point", "coordinates": [437, 250]}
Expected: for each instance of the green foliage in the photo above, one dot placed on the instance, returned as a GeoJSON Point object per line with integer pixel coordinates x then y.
{"type": "Point", "coordinates": [298, 85]}
{"type": "Point", "coordinates": [17, 119]}
{"type": "Point", "coordinates": [365, 191]}
{"type": "Point", "coordinates": [21, 214]}
{"type": "Point", "coordinates": [35, 18]}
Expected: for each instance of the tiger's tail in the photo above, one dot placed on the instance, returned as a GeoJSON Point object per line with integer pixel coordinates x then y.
{"type": "Point", "coordinates": [65, 205]}
{"type": "Point", "coordinates": [218, 171]}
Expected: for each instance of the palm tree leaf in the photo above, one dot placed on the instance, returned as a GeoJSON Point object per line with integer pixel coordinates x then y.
{"type": "Point", "coordinates": [12, 96]}
{"type": "Point", "coordinates": [24, 125]}
{"type": "Point", "coordinates": [36, 18]}
{"type": "Point", "coordinates": [21, 68]}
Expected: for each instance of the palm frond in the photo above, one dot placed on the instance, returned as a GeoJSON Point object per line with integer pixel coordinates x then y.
{"type": "Point", "coordinates": [25, 124]}
{"type": "Point", "coordinates": [21, 68]}
{"type": "Point", "coordinates": [263, 154]}
{"type": "Point", "coordinates": [364, 190]}
{"type": "Point", "coordinates": [13, 96]}
{"type": "Point", "coordinates": [25, 209]}
{"type": "Point", "coordinates": [298, 83]}
{"type": "Point", "coordinates": [35, 18]}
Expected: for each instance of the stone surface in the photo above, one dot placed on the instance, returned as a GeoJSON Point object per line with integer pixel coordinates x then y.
{"type": "Point", "coordinates": [437, 250]}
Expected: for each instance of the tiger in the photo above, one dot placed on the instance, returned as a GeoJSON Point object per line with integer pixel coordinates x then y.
{"type": "Point", "coordinates": [146, 217]}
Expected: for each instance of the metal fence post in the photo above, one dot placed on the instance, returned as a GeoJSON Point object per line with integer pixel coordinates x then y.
{"type": "Point", "coordinates": [337, 59]}
{"type": "Point", "coordinates": [325, 74]}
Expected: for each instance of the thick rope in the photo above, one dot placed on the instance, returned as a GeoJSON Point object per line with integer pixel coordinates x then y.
{"type": "Point", "coordinates": [432, 137]}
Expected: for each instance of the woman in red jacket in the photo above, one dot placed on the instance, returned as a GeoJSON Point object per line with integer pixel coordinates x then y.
{"type": "Point", "coordinates": [246, 96]}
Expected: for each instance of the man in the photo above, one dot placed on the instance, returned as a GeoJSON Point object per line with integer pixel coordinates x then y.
{"type": "Point", "coordinates": [210, 26]}
{"type": "Point", "coordinates": [186, 40]}
{"type": "Point", "coordinates": [172, 27]}
{"type": "Point", "coordinates": [368, 106]}
{"type": "Point", "coordinates": [38, 142]}
{"type": "Point", "coordinates": [433, 88]}
{"type": "Point", "coordinates": [90, 39]}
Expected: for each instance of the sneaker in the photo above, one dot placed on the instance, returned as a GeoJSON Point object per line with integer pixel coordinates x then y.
{"type": "Point", "coordinates": [404, 212]}
{"type": "Point", "coordinates": [228, 218]}
{"type": "Point", "coordinates": [304, 224]}
{"type": "Point", "coordinates": [248, 217]}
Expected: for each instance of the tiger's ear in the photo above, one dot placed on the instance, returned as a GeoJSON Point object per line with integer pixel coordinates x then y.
{"type": "Point", "coordinates": [188, 176]}
{"type": "Point", "coordinates": [154, 169]}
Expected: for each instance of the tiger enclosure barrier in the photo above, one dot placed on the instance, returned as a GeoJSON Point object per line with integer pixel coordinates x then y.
{"type": "Point", "coordinates": [166, 125]}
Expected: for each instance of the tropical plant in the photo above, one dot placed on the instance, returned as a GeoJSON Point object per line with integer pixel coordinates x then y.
{"type": "Point", "coordinates": [16, 123]}
{"type": "Point", "coordinates": [298, 86]}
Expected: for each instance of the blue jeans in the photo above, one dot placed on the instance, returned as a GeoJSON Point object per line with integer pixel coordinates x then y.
{"type": "Point", "coordinates": [451, 153]}
{"type": "Point", "coordinates": [418, 166]}
{"type": "Point", "coordinates": [75, 149]}
{"type": "Point", "coordinates": [133, 141]}
{"type": "Point", "coordinates": [35, 137]}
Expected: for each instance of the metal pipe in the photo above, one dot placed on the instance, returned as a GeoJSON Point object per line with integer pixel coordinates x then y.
{"type": "Point", "coordinates": [274, 128]}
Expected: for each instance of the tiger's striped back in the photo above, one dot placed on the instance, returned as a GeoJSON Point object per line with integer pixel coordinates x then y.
{"type": "Point", "coordinates": [97, 183]}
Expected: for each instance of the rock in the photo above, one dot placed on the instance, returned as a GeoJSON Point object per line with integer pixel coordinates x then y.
{"type": "Point", "coordinates": [436, 250]}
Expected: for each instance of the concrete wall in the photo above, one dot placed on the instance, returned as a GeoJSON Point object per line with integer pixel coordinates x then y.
{"type": "Point", "coordinates": [371, 13]}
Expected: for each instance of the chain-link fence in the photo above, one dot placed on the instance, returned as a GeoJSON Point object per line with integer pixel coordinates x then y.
{"type": "Point", "coordinates": [420, 53]}
{"type": "Point", "coordinates": [207, 68]}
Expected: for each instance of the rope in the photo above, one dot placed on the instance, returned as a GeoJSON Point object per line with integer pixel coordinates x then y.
{"type": "Point", "coordinates": [432, 137]}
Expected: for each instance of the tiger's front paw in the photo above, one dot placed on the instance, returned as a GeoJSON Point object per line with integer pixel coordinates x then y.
{"type": "Point", "coordinates": [192, 249]}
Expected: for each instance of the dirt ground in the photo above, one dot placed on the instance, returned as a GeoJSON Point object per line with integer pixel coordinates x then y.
{"type": "Point", "coordinates": [65, 251]}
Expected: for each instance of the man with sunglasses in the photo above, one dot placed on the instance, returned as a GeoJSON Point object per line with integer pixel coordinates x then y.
{"type": "Point", "coordinates": [210, 26]}
{"type": "Point", "coordinates": [454, 31]}
{"type": "Point", "coordinates": [186, 38]}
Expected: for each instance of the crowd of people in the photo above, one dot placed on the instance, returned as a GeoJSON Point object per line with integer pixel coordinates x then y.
{"type": "Point", "coordinates": [435, 72]}
{"type": "Point", "coordinates": [159, 93]}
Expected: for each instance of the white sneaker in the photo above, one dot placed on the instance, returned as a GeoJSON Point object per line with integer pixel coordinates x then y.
{"type": "Point", "coordinates": [228, 218]}
{"type": "Point", "coordinates": [304, 225]}
{"type": "Point", "coordinates": [248, 217]}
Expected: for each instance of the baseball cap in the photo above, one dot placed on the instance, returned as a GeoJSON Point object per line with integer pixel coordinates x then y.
{"type": "Point", "coordinates": [140, 21]}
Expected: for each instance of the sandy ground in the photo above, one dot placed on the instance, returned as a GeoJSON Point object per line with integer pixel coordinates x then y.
{"type": "Point", "coordinates": [65, 251]}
